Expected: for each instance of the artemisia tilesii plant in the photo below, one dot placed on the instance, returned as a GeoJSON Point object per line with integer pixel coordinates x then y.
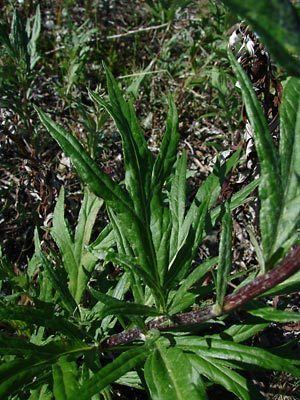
{"type": "Point", "coordinates": [141, 332]}
{"type": "Point", "coordinates": [19, 56]}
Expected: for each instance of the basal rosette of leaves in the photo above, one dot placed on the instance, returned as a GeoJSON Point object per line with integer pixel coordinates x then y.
{"type": "Point", "coordinates": [81, 335]}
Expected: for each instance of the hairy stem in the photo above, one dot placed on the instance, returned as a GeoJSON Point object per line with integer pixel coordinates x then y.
{"type": "Point", "coordinates": [258, 286]}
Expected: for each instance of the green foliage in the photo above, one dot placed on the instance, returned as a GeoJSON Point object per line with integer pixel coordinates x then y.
{"type": "Point", "coordinates": [165, 10]}
{"type": "Point", "coordinates": [65, 384]}
{"type": "Point", "coordinates": [223, 350]}
{"type": "Point", "coordinates": [174, 231]}
{"type": "Point", "coordinates": [19, 54]}
{"type": "Point", "coordinates": [225, 257]}
{"type": "Point", "coordinates": [153, 235]}
{"type": "Point", "coordinates": [21, 43]}
{"type": "Point", "coordinates": [142, 219]}
{"type": "Point", "coordinates": [111, 372]}
{"type": "Point", "coordinates": [279, 186]}
{"type": "Point", "coordinates": [143, 267]}
{"type": "Point", "coordinates": [278, 23]}
{"type": "Point", "coordinates": [166, 381]}
{"type": "Point", "coordinates": [272, 314]}
{"type": "Point", "coordinates": [218, 373]}
{"type": "Point", "coordinates": [73, 57]}
{"type": "Point", "coordinates": [270, 186]}
{"type": "Point", "coordinates": [77, 261]}
{"type": "Point", "coordinates": [290, 165]}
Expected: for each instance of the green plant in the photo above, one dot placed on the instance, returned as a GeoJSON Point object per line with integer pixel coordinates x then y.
{"type": "Point", "coordinates": [73, 56]}
{"type": "Point", "coordinates": [211, 73]}
{"type": "Point", "coordinates": [19, 64]}
{"type": "Point", "coordinates": [92, 119]}
{"type": "Point", "coordinates": [165, 10]}
{"type": "Point", "coordinates": [117, 309]}
{"type": "Point", "coordinates": [156, 241]}
{"type": "Point", "coordinates": [19, 57]}
{"type": "Point", "coordinates": [282, 38]}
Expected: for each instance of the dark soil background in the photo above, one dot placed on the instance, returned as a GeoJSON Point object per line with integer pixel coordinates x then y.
{"type": "Point", "coordinates": [152, 54]}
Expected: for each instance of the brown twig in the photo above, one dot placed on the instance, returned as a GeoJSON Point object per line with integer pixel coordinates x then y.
{"type": "Point", "coordinates": [138, 30]}
{"type": "Point", "coordinates": [258, 286]}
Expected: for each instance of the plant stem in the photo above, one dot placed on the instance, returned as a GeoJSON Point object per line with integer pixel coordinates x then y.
{"type": "Point", "coordinates": [138, 30]}
{"type": "Point", "coordinates": [259, 285]}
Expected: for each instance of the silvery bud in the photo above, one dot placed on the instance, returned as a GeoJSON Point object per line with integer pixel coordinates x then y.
{"type": "Point", "coordinates": [250, 46]}
{"type": "Point", "coordinates": [233, 39]}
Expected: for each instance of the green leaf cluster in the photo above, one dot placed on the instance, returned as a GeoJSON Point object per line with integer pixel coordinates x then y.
{"type": "Point", "coordinates": [55, 346]}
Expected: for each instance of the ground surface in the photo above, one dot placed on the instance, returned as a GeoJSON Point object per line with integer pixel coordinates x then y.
{"type": "Point", "coordinates": [152, 54]}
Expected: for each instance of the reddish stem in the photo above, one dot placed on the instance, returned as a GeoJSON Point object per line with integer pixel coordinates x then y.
{"type": "Point", "coordinates": [233, 301]}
